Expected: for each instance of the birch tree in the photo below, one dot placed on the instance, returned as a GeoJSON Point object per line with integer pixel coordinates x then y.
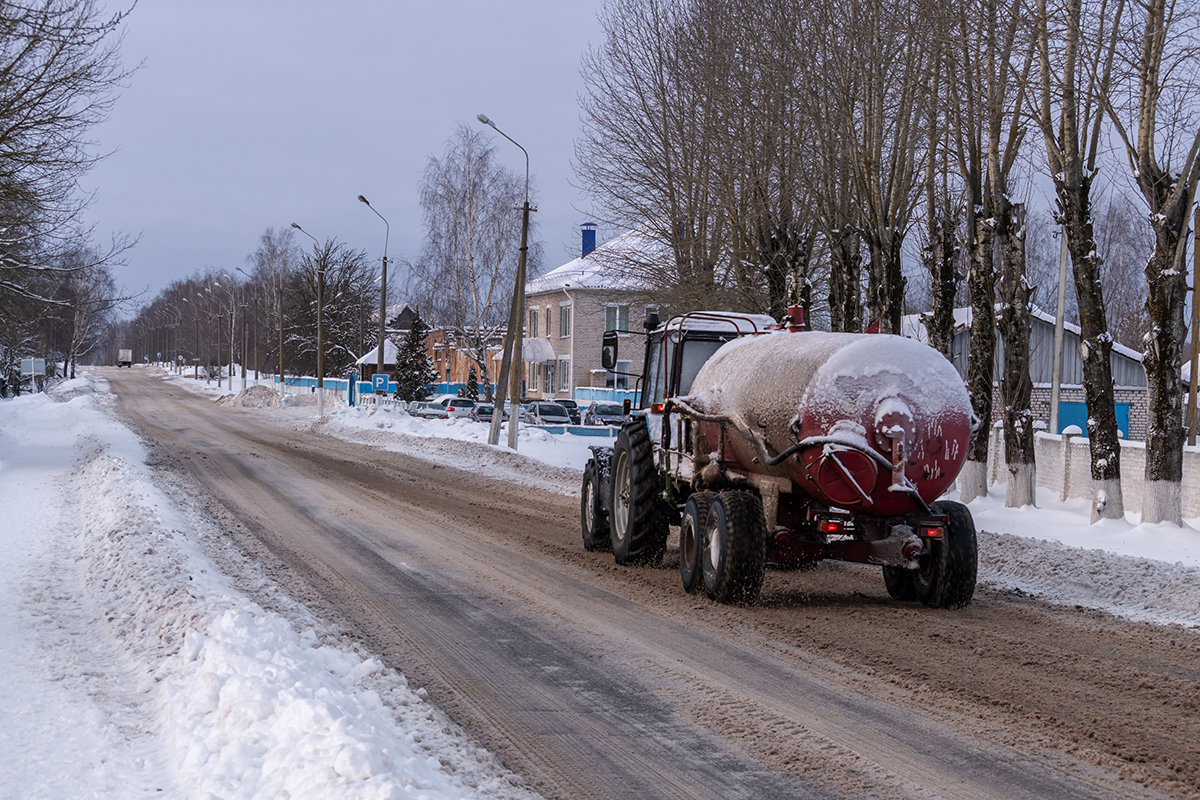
{"type": "Point", "coordinates": [464, 277]}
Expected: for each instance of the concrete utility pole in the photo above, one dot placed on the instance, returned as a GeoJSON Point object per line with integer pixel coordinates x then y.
{"type": "Point", "coordinates": [510, 364]}
{"type": "Point", "coordinates": [1191, 414]}
{"type": "Point", "coordinates": [1056, 368]}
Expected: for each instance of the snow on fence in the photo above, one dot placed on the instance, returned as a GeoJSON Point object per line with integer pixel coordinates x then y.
{"type": "Point", "coordinates": [1063, 465]}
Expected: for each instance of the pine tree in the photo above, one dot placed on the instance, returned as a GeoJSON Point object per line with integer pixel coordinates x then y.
{"type": "Point", "coordinates": [415, 375]}
{"type": "Point", "coordinates": [471, 390]}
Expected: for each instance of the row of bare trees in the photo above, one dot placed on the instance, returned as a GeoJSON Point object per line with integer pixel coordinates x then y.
{"type": "Point", "coordinates": [60, 67]}
{"type": "Point", "coordinates": [264, 318]}
{"type": "Point", "coordinates": [786, 151]}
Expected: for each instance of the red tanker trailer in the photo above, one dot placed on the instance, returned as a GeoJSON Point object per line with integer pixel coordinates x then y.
{"type": "Point", "coordinates": [769, 444]}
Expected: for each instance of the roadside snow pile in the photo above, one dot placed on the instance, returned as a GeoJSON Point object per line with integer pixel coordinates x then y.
{"type": "Point", "coordinates": [1140, 589]}
{"type": "Point", "coordinates": [550, 461]}
{"type": "Point", "coordinates": [205, 693]}
{"type": "Point", "coordinates": [254, 397]}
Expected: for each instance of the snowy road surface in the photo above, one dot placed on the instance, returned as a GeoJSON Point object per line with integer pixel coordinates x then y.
{"type": "Point", "coordinates": [586, 679]}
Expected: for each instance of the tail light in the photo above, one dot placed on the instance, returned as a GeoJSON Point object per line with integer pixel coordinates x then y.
{"type": "Point", "coordinates": [832, 526]}
{"type": "Point", "coordinates": [931, 531]}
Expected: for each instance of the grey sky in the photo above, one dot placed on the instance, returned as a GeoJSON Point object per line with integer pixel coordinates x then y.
{"type": "Point", "coordinates": [247, 115]}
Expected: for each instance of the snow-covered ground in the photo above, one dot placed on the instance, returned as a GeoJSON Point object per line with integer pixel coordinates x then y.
{"type": "Point", "coordinates": [136, 669]}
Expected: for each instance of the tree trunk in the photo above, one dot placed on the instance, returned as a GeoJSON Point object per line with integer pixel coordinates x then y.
{"type": "Point", "coordinates": [1015, 384]}
{"type": "Point", "coordinates": [885, 287]}
{"type": "Point", "coordinates": [941, 261]}
{"type": "Point", "coordinates": [1095, 349]}
{"type": "Point", "coordinates": [981, 285]}
{"type": "Point", "coordinates": [1162, 359]}
{"type": "Point", "coordinates": [844, 282]}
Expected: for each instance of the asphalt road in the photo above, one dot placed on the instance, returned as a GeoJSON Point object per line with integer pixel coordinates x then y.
{"type": "Point", "coordinates": [596, 681]}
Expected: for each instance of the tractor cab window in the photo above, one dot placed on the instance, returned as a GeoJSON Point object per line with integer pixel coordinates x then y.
{"type": "Point", "coordinates": [655, 374]}
{"type": "Point", "coordinates": [693, 354]}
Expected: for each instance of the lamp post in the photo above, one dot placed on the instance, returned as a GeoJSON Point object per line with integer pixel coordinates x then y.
{"type": "Point", "coordinates": [382, 292]}
{"type": "Point", "coordinates": [510, 364]}
{"type": "Point", "coordinates": [320, 336]}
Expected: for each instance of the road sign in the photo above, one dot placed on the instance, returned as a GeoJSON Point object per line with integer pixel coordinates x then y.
{"type": "Point", "coordinates": [33, 366]}
{"type": "Point", "coordinates": [379, 382]}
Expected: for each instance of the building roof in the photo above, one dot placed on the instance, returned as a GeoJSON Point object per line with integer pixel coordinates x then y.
{"type": "Point", "coordinates": [912, 327]}
{"type": "Point", "coordinates": [389, 354]}
{"type": "Point", "coordinates": [606, 267]}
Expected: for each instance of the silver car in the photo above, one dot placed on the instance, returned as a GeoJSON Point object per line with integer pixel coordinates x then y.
{"type": "Point", "coordinates": [542, 413]}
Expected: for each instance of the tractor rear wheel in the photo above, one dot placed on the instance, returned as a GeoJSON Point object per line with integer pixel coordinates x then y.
{"type": "Point", "coordinates": [735, 548]}
{"type": "Point", "coordinates": [638, 526]}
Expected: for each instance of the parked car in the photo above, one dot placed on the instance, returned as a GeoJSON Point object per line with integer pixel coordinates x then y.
{"type": "Point", "coordinates": [458, 406]}
{"type": "Point", "coordinates": [572, 408]}
{"type": "Point", "coordinates": [428, 410]}
{"type": "Point", "coordinates": [543, 413]}
{"type": "Point", "coordinates": [604, 414]}
{"type": "Point", "coordinates": [483, 412]}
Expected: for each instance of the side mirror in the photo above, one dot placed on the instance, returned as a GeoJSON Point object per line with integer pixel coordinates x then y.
{"type": "Point", "coordinates": [608, 350]}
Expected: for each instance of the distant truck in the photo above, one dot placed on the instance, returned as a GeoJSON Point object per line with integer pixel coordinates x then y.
{"type": "Point", "coordinates": [125, 358]}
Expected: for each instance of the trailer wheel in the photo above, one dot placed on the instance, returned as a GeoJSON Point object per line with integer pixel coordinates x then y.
{"type": "Point", "coordinates": [691, 538]}
{"type": "Point", "coordinates": [638, 526]}
{"type": "Point", "coordinates": [735, 548]}
{"type": "Point", "coordinates": [946, 576]}
{"type": "Point", "coordinates": [592, 516]}
{"type": "Point", "coordinates": [899, 583]}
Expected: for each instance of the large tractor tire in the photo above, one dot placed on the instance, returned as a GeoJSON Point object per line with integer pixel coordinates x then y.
{"type": "Point", "coordinates": [946, 575]}
{"type": "Point", "coordinates": [592, 516]}
{"type": "Point", "coordinates": [691, 538]}
{"type": "Point", "coordinates": [638, 525]}
{"type": "Point", "coordinates": [735, 548]}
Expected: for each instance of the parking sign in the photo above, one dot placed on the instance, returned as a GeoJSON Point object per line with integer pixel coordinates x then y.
{"type": "Point", "coordinates": [379, 382]}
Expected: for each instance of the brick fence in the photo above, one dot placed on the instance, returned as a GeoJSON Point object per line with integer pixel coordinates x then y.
{"type": "Point", "coordinates": [1063, 465]}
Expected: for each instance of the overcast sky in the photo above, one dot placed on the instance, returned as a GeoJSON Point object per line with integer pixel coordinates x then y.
{"type": "Point", "coordinates": [247, 115]}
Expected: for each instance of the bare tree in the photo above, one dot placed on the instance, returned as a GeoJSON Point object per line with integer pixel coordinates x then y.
{"type": "Point", "coordinates": [464, 277]}
{"type": "Point", "coordinates": [1073, 79]}
{"type": "Point", "coordinates": [350, 300]}
{"type": "Point", "coordinates": [61, 66]}
{"type": "Point", "coordinates": [1158, 126]}
{"type": "Point", "coordinates": [275, 258]}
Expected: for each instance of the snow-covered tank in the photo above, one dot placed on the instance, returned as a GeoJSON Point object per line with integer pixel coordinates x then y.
{"type": "Point", "coordinates": [847, 408]}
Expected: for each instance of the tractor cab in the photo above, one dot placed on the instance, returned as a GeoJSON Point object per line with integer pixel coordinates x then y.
{"type": "Point", "coordinates": [675, 351]}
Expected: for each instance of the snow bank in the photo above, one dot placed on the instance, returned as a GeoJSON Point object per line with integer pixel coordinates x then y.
{"type": "Point", "coordinates": [231, 700]}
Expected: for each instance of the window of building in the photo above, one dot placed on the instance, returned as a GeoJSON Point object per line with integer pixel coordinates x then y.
{"type": "Point", "coordinates": [548, 375]}
{"type": "Point", "coordinates": [533, 377]}
{"type": "Point", "coordinates": [616, 318]}
{"type": "Point", "coordinates": [564, 321]}
{"type": "Point", "coordinates": [533, 323]}
{"type": "Point", "coordinates": [564, 375]}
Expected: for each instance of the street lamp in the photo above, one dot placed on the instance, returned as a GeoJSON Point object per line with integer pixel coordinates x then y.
{"type": "Point", "coordinates": [320, 336]}
{"type": "Point", "coordinates": [382, 292]}
{"type": "Point", "coordinates": [510, 364]}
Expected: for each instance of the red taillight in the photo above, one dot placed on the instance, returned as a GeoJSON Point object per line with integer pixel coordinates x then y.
{"type": "Point", "coordinates": [657, 408]}
{"type": "Point", "coordinates": [830, 526]}
{"type": "Point", "coordinates": [931, 531]}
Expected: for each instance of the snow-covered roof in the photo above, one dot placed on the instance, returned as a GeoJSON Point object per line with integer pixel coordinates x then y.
{"type": "Point", "coordinates": [389, 354]}
{"type": "Point", "coordinates": [721, 321]}
{"type": "Point", "coordinates": [606, 267]}
{"type": "Point", "coordinates": [912, 327]}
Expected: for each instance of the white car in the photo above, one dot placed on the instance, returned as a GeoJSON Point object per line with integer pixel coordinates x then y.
{"type": "Point", "coordinates": [458, 406]}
